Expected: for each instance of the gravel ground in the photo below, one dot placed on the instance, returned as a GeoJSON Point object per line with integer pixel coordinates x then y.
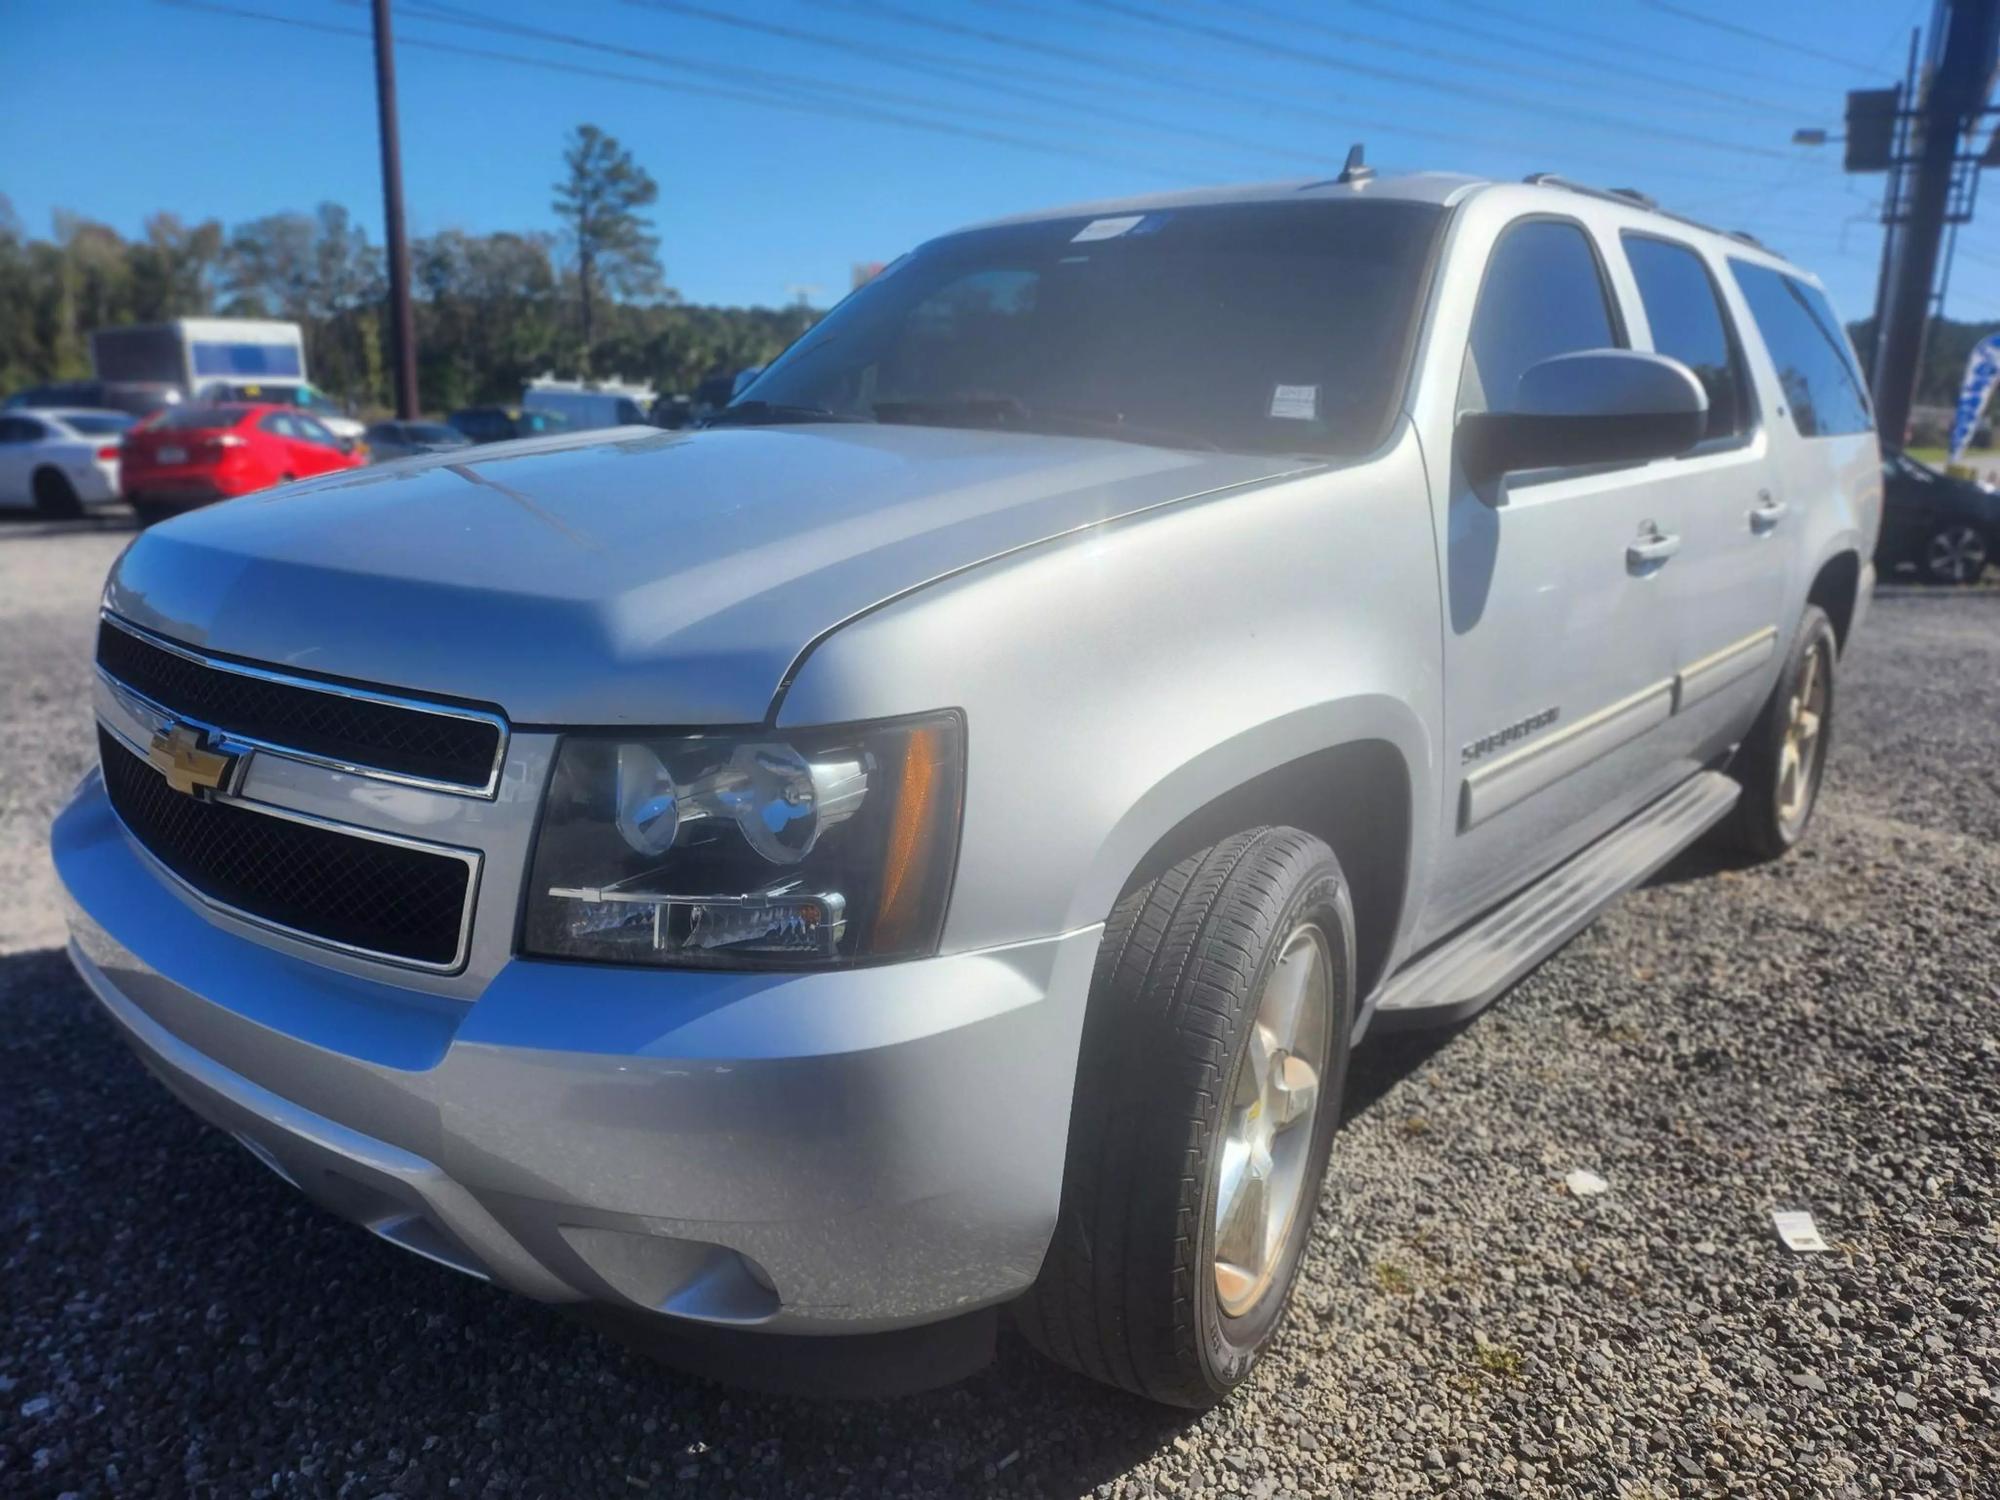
{"type": "Point", "coordinates": [1819, 1034]}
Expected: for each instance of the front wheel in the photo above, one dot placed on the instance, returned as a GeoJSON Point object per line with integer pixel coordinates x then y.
{"type": "Point", "coordinates": [1955, 553]}
{"type": "Point", "coordinates": [1213, 1065]}
{"type": "Point", "coordinates": [1783, 759]}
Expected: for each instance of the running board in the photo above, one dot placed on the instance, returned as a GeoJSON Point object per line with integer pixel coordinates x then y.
{"type": "Point", "coordinates": [1467, 972]}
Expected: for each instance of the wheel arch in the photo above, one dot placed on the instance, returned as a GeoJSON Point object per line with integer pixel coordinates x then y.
{"type": "Point", "coordinates": [1836, 588]}
{"type": "Point", "coordinates": [1358, 796]}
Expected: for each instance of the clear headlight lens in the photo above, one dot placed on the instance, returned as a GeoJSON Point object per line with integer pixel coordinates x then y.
{"type": "Point", "coordinates": [768, 848]}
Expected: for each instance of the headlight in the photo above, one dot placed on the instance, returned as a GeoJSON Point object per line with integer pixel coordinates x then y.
{"type": "Point", "coordinates": [760, 849]}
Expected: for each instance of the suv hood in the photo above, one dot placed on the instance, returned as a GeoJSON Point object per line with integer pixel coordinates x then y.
{"type": "Point", "coordinates": [669, 579]}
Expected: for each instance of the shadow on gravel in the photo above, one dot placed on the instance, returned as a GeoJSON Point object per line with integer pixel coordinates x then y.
{"type": "Point", "coordinates": [1704, 860]}
{"type": "Point", "coordinates": [1382, 1062]}
{"type": "Point", "coordinates": [180, 1321]}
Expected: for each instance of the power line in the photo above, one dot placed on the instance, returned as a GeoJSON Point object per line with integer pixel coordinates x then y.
{"type": "Point", "coordinates": [1621, 45]}
{"type": "Point", "coordinates": [903, 57]}
{"type": "Point", "coordinates": [1247, 42]}
{"type": "Point", "coordinates": [1740, 102]}
{"type": "Point", "coordinates": [1785, 43]}
{"type": "Point", "coordinates": [742, 96]}
{"type": "Point", "coordinates": [1565, 80]}
{"type": "Point", "coordinates": [931, 65]}
{"type": "Point", "coordinates": [450, 15]}
{"type": "Point", "coordinates": [1268, 101]}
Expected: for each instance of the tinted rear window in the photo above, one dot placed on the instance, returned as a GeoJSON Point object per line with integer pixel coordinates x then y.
{"type": "Point", "coordinates": [201, 416]}
{"type": "Point", "coordinates": [1815, 363]}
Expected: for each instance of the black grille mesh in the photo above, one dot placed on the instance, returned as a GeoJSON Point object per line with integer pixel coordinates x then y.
{"type": "Point", "coordinates": [402, 902]}
{"type": "Point", "coordinates": [354, 730]}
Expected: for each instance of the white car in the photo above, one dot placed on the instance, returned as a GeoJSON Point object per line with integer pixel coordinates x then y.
{"type": "Point", "coordinates": [60, 460]}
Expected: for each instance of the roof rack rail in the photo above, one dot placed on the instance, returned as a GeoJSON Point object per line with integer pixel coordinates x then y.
{"type": "Point", "coordinates": [1634, 198]}
{"type": "Point", "coordinates": [1616, 195]}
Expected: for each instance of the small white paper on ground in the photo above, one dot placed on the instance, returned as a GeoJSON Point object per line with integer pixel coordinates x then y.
{"type": "Point", "coordinates": [1300, 403]}
{"type": "Point", "coordinates": [1105, 229]}
{"type": "Point", "coordinates": [1796, 1228]}
{"type": "Point", "coordinates": [1586, 1184]}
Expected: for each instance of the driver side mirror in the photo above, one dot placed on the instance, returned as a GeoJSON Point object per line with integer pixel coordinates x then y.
{"type": "Point", "coordinates": [1600, 406]}
{"type": "Point", "coordinates": [347, 445]}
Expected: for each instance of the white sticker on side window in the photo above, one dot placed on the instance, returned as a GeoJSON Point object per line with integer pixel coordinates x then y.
{"type": "Point", "coordinates": [1105, 229]}
{"type": "Point", "coordinates": [1298, 402]}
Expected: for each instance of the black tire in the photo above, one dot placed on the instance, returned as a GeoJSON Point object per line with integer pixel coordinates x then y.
{"type": "Point", "coordinates": [1955, 553]}
{"type": "Point", "coordinates": [1128, 1293]}
{"type": "Point", "coordinates": [55, 496]}
{"type": "Point", "coordinates": [1760, 826]}
{"type": "Point", "coordinates": [150, 512]}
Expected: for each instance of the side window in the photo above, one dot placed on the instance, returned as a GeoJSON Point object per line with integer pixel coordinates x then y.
{"type": "Point", "coordinates": [1543, 295]}
{"type": "Point", "coordinates": [282, 424]}
{"type": "Point", "coordinates": [314, 432]}
{"type": "Point", "coordinates": [1815, 363]}
{"type": "Point", "coordinates": [1691, 325]}
{"type": "Point", "coordinates": [19, 430]}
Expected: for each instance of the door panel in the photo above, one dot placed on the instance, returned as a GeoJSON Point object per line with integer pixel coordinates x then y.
{"type": "Point", "coordinates": [1559, 676]}
{"type": "Point", "coordinates": [1726, 593]}
{"type": "Point", "coordinates": [1558, 663]}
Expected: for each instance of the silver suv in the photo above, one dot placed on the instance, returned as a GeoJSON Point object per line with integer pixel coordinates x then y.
{"type": "Point", "coordinates": [929, 842]}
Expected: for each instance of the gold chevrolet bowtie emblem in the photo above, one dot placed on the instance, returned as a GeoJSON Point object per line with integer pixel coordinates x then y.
{"type": "Point", "coordinates": [190, 767]}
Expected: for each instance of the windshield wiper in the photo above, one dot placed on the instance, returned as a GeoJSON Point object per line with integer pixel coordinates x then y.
{"type": "Point", "coordinates": [1010, 413]}
{"type": "Point", "coordinates": [767, 413]}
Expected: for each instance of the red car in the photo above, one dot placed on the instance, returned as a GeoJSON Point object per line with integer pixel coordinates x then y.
{"type": "Point", "coordinates": [194, 455]}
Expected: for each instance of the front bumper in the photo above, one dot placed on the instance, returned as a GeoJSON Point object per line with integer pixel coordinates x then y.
{"type": "Point", "coordinates": [841, 1152]}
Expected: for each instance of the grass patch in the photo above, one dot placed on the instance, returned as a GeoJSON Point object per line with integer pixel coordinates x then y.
{"type": "Point", "coordinates": [1498, 1360]}
{"type": "Point", "coordinates": [1394, 1279]}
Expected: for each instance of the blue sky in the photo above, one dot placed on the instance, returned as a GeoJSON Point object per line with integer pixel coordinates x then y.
{"type": "Point", "coordinates": [784, 158]}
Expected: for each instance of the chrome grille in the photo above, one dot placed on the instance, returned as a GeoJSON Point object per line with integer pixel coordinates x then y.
{"type": "Point", "coordinates": [356, 891]}
{"type": "Point", "coordinates": [454, 748]}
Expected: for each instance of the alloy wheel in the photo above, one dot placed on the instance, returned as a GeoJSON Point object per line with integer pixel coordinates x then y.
{"type": "Point", "coordinates": [1956, 554]}
{"type": "Point", "coordinates": [1268, 1133]}
{"type": "Point", "coordinates": [1805, 718]}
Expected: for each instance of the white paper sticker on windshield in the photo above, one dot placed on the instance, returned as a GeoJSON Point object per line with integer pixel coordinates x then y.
{"type": "Point", "coordinates": [1299, 402]}
{"type": "Point", "coordinates": [1105, 229]}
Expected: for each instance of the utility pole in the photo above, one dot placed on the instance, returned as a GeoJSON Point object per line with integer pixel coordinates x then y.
{"type": "Point", "coordinates": [402, 324]}
{"type": "Point", "coordinates": [1939, 113]}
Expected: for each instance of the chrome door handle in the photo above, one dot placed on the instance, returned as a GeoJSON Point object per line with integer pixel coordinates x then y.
{"type": "Point", "coordinates": [1767, 513]}
{"type": "Point", "coordinates": [1656, 548]}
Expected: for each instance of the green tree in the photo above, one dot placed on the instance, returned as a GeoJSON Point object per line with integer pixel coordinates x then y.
{"type": "Point", "coordinates": [599, 200]}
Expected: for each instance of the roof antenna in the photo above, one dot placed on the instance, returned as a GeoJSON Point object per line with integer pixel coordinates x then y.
{"type": "Point", "coordinates": [1356, 171]}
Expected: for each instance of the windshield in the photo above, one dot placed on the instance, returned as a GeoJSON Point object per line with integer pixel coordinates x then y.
{"type": "Point", "coordinates": [1255, 326]}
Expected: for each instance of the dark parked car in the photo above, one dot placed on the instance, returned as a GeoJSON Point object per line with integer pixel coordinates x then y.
{"type": "Point", "coordinates": [1948, 529]}
{"type": "Point", "coordinates": [494, 424]}
{"type": "Point", "coordinates": [388, 440]}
